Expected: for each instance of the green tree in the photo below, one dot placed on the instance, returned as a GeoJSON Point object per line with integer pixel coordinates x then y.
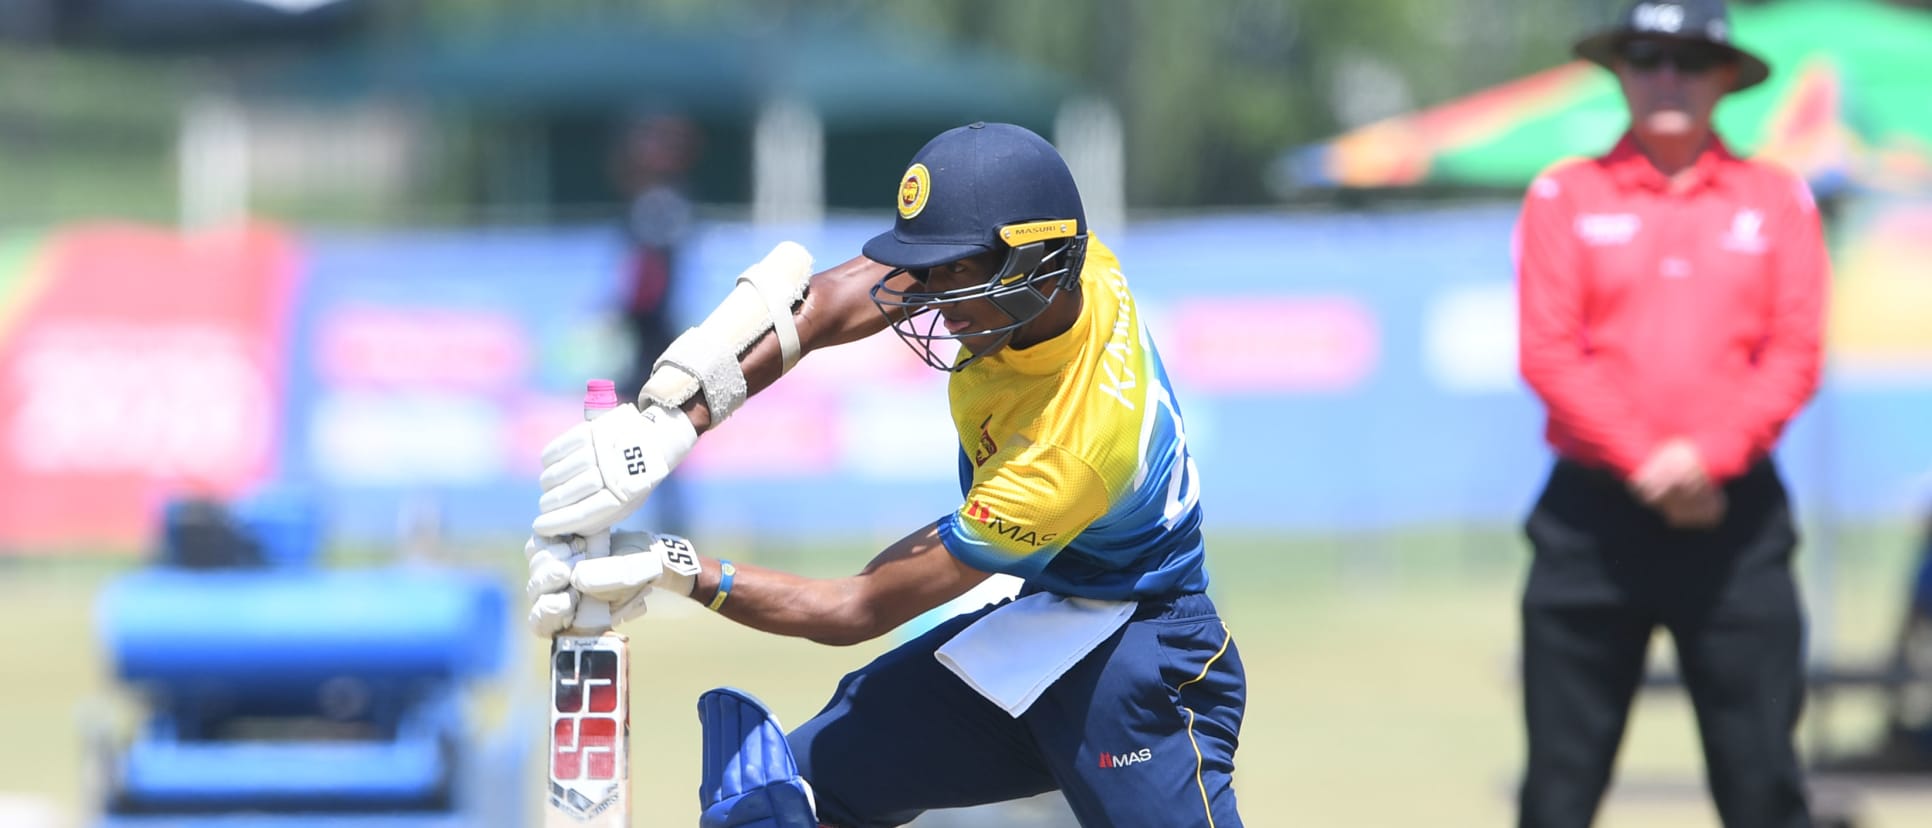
{"type": "Point", "coordinates": [1212, 90]}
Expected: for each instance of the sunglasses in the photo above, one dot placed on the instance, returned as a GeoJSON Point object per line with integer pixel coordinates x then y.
{"type": "Point", "coordinates": [1688, 58]}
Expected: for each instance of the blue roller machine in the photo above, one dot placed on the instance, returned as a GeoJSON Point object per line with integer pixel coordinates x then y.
{"type": "Point", "coordinates": [277, 694]}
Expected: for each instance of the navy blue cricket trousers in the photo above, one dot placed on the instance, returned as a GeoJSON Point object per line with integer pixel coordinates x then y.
{"type": "Point", "coordinates": [1140, 732]}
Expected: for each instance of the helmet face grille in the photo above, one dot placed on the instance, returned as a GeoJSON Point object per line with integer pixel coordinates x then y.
{"type": "Point", "coordinates": [1022, 288]}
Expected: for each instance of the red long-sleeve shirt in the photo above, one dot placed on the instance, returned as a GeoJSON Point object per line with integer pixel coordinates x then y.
{"type": "Point", "coordinates": [1648, 312]}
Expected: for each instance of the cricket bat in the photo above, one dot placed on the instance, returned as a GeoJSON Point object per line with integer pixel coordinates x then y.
{"type": "Point", "coordinates": [590, 700]}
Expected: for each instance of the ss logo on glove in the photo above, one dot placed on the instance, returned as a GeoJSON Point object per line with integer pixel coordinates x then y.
{"type": "Point", "coordinates": [678, 555]}
{"type": "Point", "coordinates": [635, 456]}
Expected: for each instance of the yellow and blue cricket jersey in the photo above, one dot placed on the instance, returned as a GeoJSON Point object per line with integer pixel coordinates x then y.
{"type": "Point", "coordinates": [1073, 458]}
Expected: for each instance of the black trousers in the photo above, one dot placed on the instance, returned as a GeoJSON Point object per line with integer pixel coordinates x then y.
{"type": "Point", "coordinates": [1607, 572]}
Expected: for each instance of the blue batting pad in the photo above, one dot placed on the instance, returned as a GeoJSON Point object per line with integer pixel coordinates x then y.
{"type": "Point", "coordinates": [750, 779]}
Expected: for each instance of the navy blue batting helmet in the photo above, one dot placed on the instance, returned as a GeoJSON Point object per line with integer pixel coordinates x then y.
{"type": "Point", "coordinates": [974, 190]}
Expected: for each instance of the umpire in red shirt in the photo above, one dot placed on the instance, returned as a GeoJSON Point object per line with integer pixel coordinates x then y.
{"type": "Point", "coordinates": [1671, 300]}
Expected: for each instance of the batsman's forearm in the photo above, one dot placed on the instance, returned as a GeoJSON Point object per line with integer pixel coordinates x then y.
{"type": "Point", "coordinates": [823, 610]}
{"type": "Point", "coordinates": [838, 308]}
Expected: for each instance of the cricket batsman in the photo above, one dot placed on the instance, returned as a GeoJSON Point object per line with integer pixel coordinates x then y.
{"type": "Point", "coordinates": [1111, 677]}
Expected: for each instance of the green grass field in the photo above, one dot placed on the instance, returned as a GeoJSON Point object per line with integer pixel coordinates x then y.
{"type": "Point", "coordinates": [1382, 689]}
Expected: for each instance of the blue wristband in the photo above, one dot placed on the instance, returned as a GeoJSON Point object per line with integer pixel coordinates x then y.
{"type": "Point", "coordinates": [725, 573]}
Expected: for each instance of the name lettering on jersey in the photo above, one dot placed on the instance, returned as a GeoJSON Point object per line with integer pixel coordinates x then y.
{"type": "Point", "coordinates": [1116, 363]}
{"type": "Point", "coordinates": [1605, 229]}
{"type": "Point", "coordinates": [1000, 526]}
{"type": "Point", "coordinates": [987, 448]}
{"type": "Point", "coordinates": [1122, 760]}
{"type": "Point", "coordinates": [1747, 232]}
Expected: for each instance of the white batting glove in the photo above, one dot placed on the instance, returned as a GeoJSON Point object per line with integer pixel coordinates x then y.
{"type": "Point", "coordinates": [600, 471]}
{"type": "Point", "coordinates": [638, 562]}
{"type": "Point", "coordinates": [553, 604]}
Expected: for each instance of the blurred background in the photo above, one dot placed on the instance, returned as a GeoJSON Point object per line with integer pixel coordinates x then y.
{"type": "Point", "coordinates": [292, 292]}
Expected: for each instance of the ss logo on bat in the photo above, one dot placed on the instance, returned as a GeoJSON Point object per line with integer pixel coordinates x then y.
{"type": "Point", "coordinates": [584, 743]}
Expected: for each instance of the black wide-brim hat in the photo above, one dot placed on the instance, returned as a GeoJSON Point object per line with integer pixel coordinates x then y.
{"type": "Point", "coordinates": [1693, 21]}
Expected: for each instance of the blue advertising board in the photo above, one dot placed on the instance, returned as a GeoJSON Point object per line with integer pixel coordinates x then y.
{"type": "Point", "coordinates": [1339, 371]}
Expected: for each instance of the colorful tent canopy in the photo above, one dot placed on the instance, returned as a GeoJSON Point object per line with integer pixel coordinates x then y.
{"type": "Point", "coordinates": [1882, 294]}
{"type": "Point", "coordinates": [1849, 103]}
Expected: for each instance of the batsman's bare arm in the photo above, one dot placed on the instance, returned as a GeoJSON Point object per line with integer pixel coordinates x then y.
{"type": "Point", "coordinates": [913, 575]}
{"type": "Point", "coordinates": [910, 576]}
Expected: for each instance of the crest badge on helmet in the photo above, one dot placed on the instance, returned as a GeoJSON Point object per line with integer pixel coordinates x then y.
{"type": "Point", "coordinates": [914, 189]}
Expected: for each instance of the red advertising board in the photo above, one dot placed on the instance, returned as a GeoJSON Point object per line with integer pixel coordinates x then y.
{"type": "Point", "coordinates": [144, 364]}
